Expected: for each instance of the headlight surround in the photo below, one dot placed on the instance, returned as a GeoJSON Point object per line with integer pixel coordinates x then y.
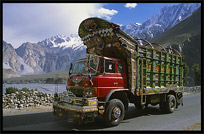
{"type": "Point", "coordinates": [91, 92]}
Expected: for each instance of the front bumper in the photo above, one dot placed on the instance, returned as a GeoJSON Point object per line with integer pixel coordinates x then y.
{"type": "Point", "coordinates": [75, 113]}
{"type": "Point", "coordinates": [75, 108]}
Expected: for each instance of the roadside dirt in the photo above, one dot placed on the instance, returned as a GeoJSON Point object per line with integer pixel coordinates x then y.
{"type": "Point", "coordinates": [27, 110]}
{"type": "Point", "coordinates": [196, 126]}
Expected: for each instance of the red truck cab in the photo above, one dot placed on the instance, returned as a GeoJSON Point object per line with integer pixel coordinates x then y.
{"type": "Point", "coordinates": [106, 75]}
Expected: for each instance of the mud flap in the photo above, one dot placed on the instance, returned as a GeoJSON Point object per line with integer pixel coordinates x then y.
{"type": "Point", "coordinates": [179, 99]}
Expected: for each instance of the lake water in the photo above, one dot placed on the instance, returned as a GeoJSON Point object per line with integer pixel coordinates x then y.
{"type": "Point", "coordinates": [46, 88]}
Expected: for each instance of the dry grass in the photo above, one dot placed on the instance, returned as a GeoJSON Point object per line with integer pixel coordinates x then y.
{"type": "Point", "coordinates": [196, 126]}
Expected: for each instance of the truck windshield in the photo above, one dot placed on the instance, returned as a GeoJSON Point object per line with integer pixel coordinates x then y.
{"type": "Point", "coordinates": [80, 68]}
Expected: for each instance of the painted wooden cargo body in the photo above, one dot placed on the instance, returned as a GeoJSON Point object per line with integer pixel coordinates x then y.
{"type": "Point", "coordinates": [151, 68]}
{"type": "Point", "coordinates": [119, 70]}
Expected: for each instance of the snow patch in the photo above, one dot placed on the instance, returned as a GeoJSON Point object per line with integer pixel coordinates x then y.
{"type": "Point", "coordinates": [138, 24]}
{"type": "Point", "coordinates": [180, 18]}
{"type": "Point", "coordinates": [64, 41]}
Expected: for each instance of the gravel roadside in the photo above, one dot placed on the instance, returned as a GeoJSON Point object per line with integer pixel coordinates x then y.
{"type": "Point", "coordinates": [27, 110]}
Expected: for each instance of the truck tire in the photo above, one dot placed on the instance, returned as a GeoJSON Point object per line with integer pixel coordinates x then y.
{"type": "Point", "coordinates": [114, 112]}
{"type": "Point", "coordinates": [170, 105]}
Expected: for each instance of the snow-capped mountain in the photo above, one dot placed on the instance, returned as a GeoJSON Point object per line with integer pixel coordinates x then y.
{"type": "Point", "coordinates": [168, 17]}
{"type": "Point", "coordinates": [63, 41]}
{"type": "Point", "coordinates": [52, 54]}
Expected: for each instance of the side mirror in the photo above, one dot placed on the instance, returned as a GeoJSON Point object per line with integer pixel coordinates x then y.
{"type": "Point", "coordinates": [70, 69]}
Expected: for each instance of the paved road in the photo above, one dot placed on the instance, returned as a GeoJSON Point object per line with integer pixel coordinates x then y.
{"type": "Point", "coordinates": [150, 119]}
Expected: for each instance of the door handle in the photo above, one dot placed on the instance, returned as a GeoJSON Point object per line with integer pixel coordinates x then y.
{"type": "Point", "coordinates": [115, 83]}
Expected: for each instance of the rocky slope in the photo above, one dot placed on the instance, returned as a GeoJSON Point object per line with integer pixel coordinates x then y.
{"type": "Point", "coordinates": [8, 73]}
{"type": "Point", "coordinates": [168, 17]}
{"type": "Point", "coordinates": [53, 54]}
{"type": "Point", "coordinates": [186, 38]}
{"type": "Point", "coordinates": [12, 62]}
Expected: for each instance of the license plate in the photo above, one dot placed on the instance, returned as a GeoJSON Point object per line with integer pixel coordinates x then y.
{"type": "Point", "coordinates": [92, 103]}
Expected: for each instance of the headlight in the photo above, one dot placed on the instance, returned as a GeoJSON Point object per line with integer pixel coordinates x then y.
{"type": "Point", "coordinates": [87, 93]}
{"type": "Point", "coordinates": [90, 92]}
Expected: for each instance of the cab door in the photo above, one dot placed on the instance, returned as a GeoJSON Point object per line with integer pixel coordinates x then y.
{"type": "Point", "coordinates": [108, 78]}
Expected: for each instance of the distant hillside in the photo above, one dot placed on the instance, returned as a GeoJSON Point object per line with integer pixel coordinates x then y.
{"type": "Point", "coordinates": [186, 38]}
{"type": "Point", "coordinates": [8, 73]}
{"type": "Point", "coordinates": [181, 32]}
{"type": "Point", "coordinates": [48, 78]}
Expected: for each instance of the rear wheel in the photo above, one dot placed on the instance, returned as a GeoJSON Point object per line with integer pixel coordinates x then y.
{"type": "Point", "coordinates": [170, 105]}
{"type": "Point", "coordinates": [114, 113]}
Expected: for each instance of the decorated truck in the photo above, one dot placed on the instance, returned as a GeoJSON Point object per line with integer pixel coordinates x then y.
{"type": "Point", "coordinates": [119, 70]}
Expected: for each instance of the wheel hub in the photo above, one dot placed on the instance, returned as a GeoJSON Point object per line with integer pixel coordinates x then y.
{"type": "Point", "coordinates": [116, 112]}
{"type": "Point", "coordinates": [172, 103]}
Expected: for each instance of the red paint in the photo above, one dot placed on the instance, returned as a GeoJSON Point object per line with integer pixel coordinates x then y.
{"type": "Point", "coordinates": [106, 82]}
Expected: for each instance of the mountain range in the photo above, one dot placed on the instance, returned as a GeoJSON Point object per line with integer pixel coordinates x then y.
{"type": "Point", "coordinates": [56, 53]}
{"type": "Point", "coordinates": [168, 17]}
{"type": "Point", "coordinates": [50, 55]}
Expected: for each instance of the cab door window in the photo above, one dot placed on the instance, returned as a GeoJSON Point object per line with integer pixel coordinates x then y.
{"type": "Point", "coordinates": [109, 66]}
{"type": "Point", "coordinates": [120, 67]}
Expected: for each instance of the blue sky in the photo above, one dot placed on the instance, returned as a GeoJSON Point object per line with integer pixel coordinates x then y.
{"type": "Point", "coordinates": [33, 22]}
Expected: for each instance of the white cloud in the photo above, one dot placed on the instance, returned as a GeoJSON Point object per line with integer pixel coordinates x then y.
{"type": "Point", "coordinates": [17, 37]}
{"type": "Point", "coordinates": [103, 12]}
{"type": "Point", "coordinates": [130, 5]}
{"type": "Point", "coordinates": [38, 21]}
{"type": "Point", "coordinates": [107, 11]}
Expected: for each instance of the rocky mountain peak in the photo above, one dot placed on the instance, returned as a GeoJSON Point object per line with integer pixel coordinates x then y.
{"type": "Point", "coordinates": [168, 17]}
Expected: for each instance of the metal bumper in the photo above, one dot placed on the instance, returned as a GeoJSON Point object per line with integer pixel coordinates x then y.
{"type": "Point", "coordinates": [75, 113]}
{"type": "Point", "coordinates": [75, 108]}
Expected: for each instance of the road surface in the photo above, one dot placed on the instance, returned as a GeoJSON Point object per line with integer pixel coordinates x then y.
{"type": "Point", "coordinates": [150, 119]}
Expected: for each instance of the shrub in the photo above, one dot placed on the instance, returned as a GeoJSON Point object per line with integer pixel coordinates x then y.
{"type": "Point", "coordinates": [34, 90]}
{"type": "Point", "coordinates": [25, 89]}
{"type": "Point", "coordinates": [50, 81]}
{"type": "Point", "coordinates": [10, 90]}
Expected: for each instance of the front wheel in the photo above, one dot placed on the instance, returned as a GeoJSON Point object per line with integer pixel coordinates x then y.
{"type": "Point", "coordinates": [114, 113]}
